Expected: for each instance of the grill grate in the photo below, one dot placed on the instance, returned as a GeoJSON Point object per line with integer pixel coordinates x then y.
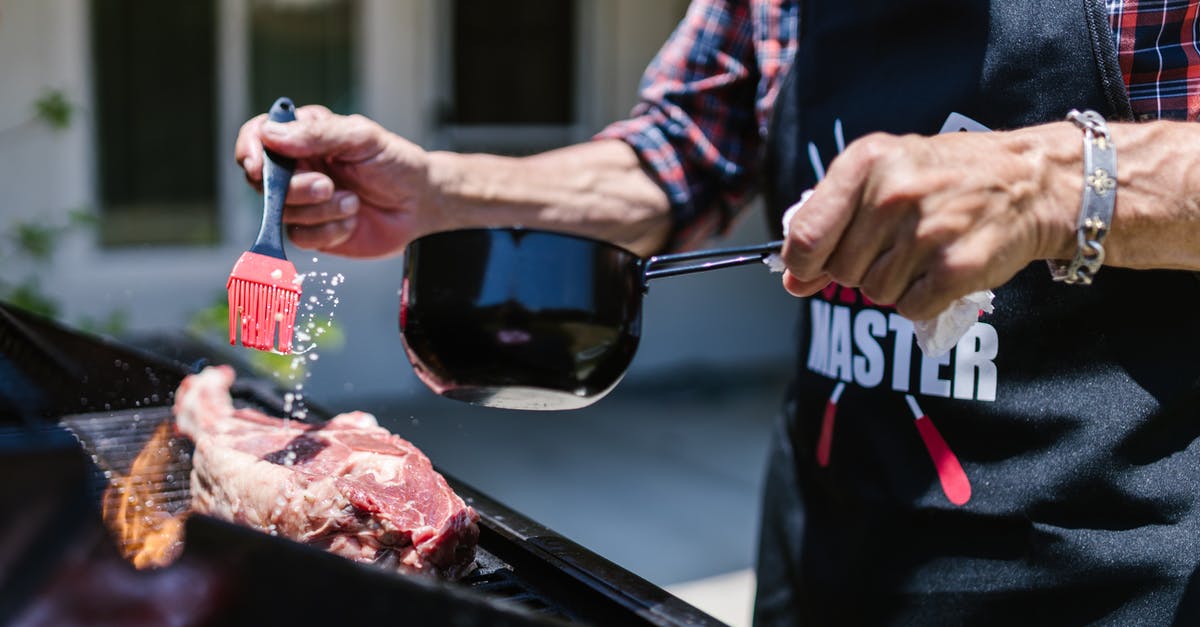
{"type": "Point", "coordinates": [114, 397]}
{"type": "Point", "coordinates": [115, 439]}
{"type": "Point", "coordinates": [494, 577]}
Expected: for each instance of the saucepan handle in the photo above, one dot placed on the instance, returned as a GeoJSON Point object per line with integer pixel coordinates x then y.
{"type": "Point", "coordinates": [679, 263]}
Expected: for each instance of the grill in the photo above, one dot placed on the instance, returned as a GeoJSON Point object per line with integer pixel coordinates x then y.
{"type": "Point", "coordinates": [58, 562]}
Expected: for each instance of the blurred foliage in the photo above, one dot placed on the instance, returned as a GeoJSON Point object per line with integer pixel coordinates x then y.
{"type": "Point", "coordinates": [28, 295]}
{"type": "Point", "coordinates": [28, 247]}
{"type": "Point", "coordinates": [35, 240]}
{"type": "Point", "coordinates": [115, 323]}
{"type": "Point", "coordinates": [212, 323]}
{"type": "Point", "coordinates": [54, 109]}
{"type": "Point", "coordinates": [83, 218]}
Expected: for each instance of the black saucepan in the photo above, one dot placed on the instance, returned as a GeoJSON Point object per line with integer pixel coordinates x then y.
{"type": "Point", "coordinates": [528, 319]}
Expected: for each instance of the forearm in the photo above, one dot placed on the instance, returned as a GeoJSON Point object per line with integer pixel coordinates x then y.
{"type": "Point", "coordinates": [595, 188]}
{"type": "Point", "coordinates": [1156, 221]}
{"type": "Point", "coordinates": [919, 221]}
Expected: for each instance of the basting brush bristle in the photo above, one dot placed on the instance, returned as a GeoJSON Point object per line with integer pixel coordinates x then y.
{"type": "Point", "coordinates": [263, 288]}
{"type": "Point", "coordinates": [263, 297]}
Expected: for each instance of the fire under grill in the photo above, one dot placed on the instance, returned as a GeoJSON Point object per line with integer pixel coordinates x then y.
{"type": "Point", "coordinates": [60, 562]}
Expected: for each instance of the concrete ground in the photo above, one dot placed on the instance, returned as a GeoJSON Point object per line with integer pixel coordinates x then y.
{"type": "Point", "coordinates": [662, 476]}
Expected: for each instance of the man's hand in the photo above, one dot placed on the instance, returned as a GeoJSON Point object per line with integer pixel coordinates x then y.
{"type": "Point", "coordinates": [921, 221]}
{"type": "Point", "coordinates": [358, 191]}
{"type": "Point", "coordinates": [361, 191]}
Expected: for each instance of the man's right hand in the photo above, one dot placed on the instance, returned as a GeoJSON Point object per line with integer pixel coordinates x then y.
{"type": "Point", "coordinates": [359, 190]}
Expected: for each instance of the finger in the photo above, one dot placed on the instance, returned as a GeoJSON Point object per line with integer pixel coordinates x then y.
{"type": "Point", "coordinates": [887, 278]}
{"type": "Point", "coordinates": [816, 230]}
{"type": "Point", "coordinates": [324, 135]}
{"type": "Point", "coordinates": [813, 233]}
{"type": "Point", "coordinates": [890, 274]}
{"type": "Point", "coordinates": [950, 274]}
{"type": "Point", "coordinates": [871, 233]}
{"type": "Point", "coordinates": [924, 299]}
{"type": "Point", "coordinates": [247, 149]}
{"type": "Point", "coordinates": [338, 207]}
{"type": "Point", "coordinates": [801, 288]}
{"type": "Point", "coordinates": [322, 236]}
{"type": "Point", "coordinates": [256, 183]}
{"type": "Point", "coordinates": [309, 188]}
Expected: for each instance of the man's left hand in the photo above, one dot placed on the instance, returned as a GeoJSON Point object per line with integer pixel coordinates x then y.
{"type": "Point", "coordinates": [921, 221]}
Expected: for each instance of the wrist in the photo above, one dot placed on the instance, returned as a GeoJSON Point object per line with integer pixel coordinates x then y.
{"type": "Point", "coordinates": [444, 174]}
{"type": "Point", "coordinates": [1099, 198]}
{"type": "Point", "coordinates": [1055, 155]}
{"type": "Point", "coordinates": [1156, 223]}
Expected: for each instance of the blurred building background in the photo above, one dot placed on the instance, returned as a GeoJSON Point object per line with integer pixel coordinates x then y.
{"type": "Point", "coordinates": [155, 92]}
{"type": "Point", "coordinates": [123, 210]}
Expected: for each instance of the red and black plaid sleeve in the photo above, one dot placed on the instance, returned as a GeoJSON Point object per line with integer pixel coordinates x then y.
{"type": "Point", "coordinates": [704, 102]}
{"type": "Point", "coordinates": [1157, 46]}
{"type": "Point", "coordinates": [707, 94]}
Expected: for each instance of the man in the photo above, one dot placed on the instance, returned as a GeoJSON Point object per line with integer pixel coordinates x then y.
{"type": "Point", "coordinates": [1047, 468]}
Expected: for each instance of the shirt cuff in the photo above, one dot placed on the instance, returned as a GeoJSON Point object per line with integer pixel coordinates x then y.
{"type": "Point", "coordinates": [696, 214]}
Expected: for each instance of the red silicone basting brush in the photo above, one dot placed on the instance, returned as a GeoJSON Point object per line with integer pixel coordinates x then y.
{"type": "Point", "coordinates": [264, 290]}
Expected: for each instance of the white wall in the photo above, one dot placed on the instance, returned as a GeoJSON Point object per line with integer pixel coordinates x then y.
{"type": "Point", "coordinates": [731, 317]}
{"type": "Point", "coordinates": [41, 172]}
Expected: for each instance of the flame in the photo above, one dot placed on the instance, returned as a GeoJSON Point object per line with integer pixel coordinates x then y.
{"type": "Point", "coordinates": [147, 533]}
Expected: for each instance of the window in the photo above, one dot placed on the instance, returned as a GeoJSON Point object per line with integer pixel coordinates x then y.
{"type": "Point", "coordinates": [157, 96]}
{"type": "Point", "coordinates": [512, 86]}
{"type": "Point", "coordinates": [302, 49]}
{"type": "Point", "coordinates": [513, 62]}
{"type": "Point", "coordinates": [155, 111]}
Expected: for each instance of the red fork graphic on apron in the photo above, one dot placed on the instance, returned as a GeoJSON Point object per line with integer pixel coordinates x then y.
{"type": "Point", "coordinates": [950, 473]}
{"type": "Point", "coordinates": [825, 440]}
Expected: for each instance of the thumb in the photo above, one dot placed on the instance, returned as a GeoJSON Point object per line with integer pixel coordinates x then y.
{"type": "Point", "coordinates": [801, 288]}
{"type": "Point", "coordinates": [321, 134]}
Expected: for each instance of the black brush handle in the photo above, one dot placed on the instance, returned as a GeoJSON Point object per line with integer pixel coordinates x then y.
{"type": "Point", "coordinates": [277, 174]}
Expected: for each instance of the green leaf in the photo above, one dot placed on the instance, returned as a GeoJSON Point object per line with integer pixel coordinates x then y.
{"type": "Point", "coordinates": [279, 365]}
{"type": "Point", "coordinates": [327, 333]}
{"type": "Point", "coordinates": [54, 109]}
{"type": "Point", "coordinates": [35, 240]}
{"type": "Point", "coordinates": [213, 319]}
{"type": "Point", "coordinates": [113, 325]}
{"type": "Point", "coordinates": [213, 322]}
{"type": "Point", "coordinates": [29, 296]}
{"type": "Point", "coordinates": [83, 217]}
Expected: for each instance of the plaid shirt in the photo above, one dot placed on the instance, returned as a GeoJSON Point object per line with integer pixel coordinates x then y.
{"type": "Point", "coordinates": [707, 96]}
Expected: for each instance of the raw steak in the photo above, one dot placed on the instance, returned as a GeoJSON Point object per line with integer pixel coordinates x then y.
{"type": "Point", "coordinates": [348, 486]}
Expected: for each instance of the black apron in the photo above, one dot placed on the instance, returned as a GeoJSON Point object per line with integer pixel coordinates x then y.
{"type": "Point", "coordinates": [1047, 469]}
